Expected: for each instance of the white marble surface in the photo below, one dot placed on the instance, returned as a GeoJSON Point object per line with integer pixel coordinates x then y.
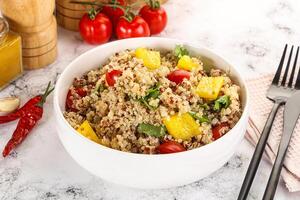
{"type": "Point", "coordinates": [250, 34]}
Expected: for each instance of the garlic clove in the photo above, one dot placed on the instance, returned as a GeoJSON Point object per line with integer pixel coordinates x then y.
{"type": "Point", "coordinates": [8, 105]}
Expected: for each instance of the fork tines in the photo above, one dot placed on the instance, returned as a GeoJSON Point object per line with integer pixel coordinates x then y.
{"type": "Point", "coordinates": [283, 82]}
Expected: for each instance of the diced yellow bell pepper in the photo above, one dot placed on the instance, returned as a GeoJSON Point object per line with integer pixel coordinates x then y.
{"type": "Point", "coordinates": [151, 59]}
{"type": "Point", "coordinates": [209, 87]}
{"type": "Point", "coordinates": [182, 126]}
{"type": "Point", "coordinates": [86, 130]}
{"type": "Point", "coordinates": [186, 63]}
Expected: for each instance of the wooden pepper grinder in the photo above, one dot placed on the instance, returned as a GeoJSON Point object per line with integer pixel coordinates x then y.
{"type": "Point", "coordinates": [36, 24]}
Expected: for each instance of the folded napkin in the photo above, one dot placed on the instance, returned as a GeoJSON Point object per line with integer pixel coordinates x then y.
{"type": "Point", "coordinates": [260, 109]}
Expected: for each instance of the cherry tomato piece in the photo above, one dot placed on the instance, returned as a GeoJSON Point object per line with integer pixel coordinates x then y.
{"type": "Point", "coordinates": [112, 13]}
{"type": "Point", "coordinates": [178, 75]}
{"type": "Point", "coordinates": [69, 101]}
{"type": "Point", "coordinates": [137, 27]}
{"type": "Point", "coordinates": [170, 147]}
{"type": "Point", "coordinates": [112, 76]}
{"type": "Point", "coordinates": [95, 29]}
{"type": "Point", "coordinates": [155, 17]}
{"type": "Point", "coordinates": [217, 131]}
{"type": "Point", "coordinates": [81, 92]}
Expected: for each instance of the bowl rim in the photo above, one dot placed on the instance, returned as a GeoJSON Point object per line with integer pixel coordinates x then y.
{"type": "Point", "coordinates": [59, 112]}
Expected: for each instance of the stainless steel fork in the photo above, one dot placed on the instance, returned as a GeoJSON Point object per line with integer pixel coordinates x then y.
{"type": "Point", "coordinates": [278, 92]}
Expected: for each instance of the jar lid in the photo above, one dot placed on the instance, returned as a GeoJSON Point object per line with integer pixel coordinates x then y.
{"type": "Point", "coordinates": [4, 28]}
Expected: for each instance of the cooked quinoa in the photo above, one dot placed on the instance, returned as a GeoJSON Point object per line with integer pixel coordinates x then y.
{"type": "Point", "coordinates": [116, 112]}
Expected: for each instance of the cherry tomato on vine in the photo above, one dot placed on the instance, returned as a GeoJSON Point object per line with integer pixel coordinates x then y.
{"type": "Point", "coordinates": [170, 147]}
{"type": "Point", "coordinates": [217, 130]}
{"type": "Point", "coordinates": [155, 16]}
{"type": "Point", "coordinates": [95, 28]}
{"type": "Point", "coordinates": [129, 28]}
{"type": "Point", "coordinates": [178, 75]}
{"type": "Point", "coordinates": [114, 13]}
{"type": "Point", "coordinates": [112, 76]}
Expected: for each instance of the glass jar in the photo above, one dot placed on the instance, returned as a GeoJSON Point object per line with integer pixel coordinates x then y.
{"type": "Point", "coordinates": [10, 55]}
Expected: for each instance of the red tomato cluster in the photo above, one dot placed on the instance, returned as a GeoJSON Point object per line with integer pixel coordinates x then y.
{"type": "Point", "coordinates": [98, 27]}
{"type": "Point", "coordinates": [114, 14]}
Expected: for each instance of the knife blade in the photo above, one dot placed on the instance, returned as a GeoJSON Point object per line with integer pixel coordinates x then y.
{"type": "Point", "coordinates": [290, 118]}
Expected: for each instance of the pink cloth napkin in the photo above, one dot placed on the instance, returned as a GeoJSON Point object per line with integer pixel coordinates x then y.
{"type": "Point", "coordinates": [260, 109]}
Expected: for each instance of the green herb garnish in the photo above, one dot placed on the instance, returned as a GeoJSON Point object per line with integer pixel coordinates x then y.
{"type": "Point", "coordinates": [180, 51]}
{"type": "Point", "coordinates": [151, 130]}
{"type": "Point", "coordinates": [146, 103]}
{"type": "Point", "coordinates": [99, 87]}
{"type": "Point", "coordinates": [222, 102]}
{"type": "Point", "coordinates": [201, 119]}
{"type": "Point", "coordinates": [152, 93]}
{"type": "Point", "coordinates": [205, 106]}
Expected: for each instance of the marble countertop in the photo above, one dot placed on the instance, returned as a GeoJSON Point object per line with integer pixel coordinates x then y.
{"type": "Point", "coordinates": [250, 34]}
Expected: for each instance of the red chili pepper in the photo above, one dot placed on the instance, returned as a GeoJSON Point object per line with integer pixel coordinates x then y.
{"type": "Point", "coordinates": [29, 115]}
{"type": "Point", "coordinates": [20, 112]}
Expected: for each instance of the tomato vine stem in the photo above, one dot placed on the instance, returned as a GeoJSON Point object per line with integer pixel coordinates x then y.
{"type": "Point", "coordinates": [113, 5]}
{"type": "Point", "coordinates": [128, 14]}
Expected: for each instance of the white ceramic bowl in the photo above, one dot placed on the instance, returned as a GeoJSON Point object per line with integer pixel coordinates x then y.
{"type": "Point", "coordinates": [138, 170]}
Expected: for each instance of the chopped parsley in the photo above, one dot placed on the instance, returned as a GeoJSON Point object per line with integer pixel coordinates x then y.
{"type": "Point", "coordinates": [222, 102]}
{"type": "Point", "coordinates": [152, 93]}
{"type": "Point", "coordinates": [99, 87]}
{"type": "Point", "coordinates": [201, 119]}
{"type": "Point", "coordinates": [151, 130]}
{"type": "Point", "coordinates": [180, 51]}
{"type": "Point", "coordinates": [205, 106]}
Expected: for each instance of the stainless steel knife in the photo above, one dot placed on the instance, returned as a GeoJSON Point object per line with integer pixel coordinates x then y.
{"type": "Point", "coordinates": [290, 118]}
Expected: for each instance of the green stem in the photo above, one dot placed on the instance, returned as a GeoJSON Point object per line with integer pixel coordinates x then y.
{"type": "Point", "coordinates": [128, 15]}
{"type": "Point", "coordinates": [92, 13]}
{"type": "Point", "coordinates": [154, 4]}
{"type": "Point", "coordinates": [116, 6]}
{"type": "Point", "coordinates": [151, 3]}
{"type": "Point", "coordinates": [44, 96]}
{"type": "Point", "coordinates": [99, 4]}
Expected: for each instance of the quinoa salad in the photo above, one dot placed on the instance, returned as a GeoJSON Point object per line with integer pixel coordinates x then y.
{"type": "Point", "coordinates": [153, 102]}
